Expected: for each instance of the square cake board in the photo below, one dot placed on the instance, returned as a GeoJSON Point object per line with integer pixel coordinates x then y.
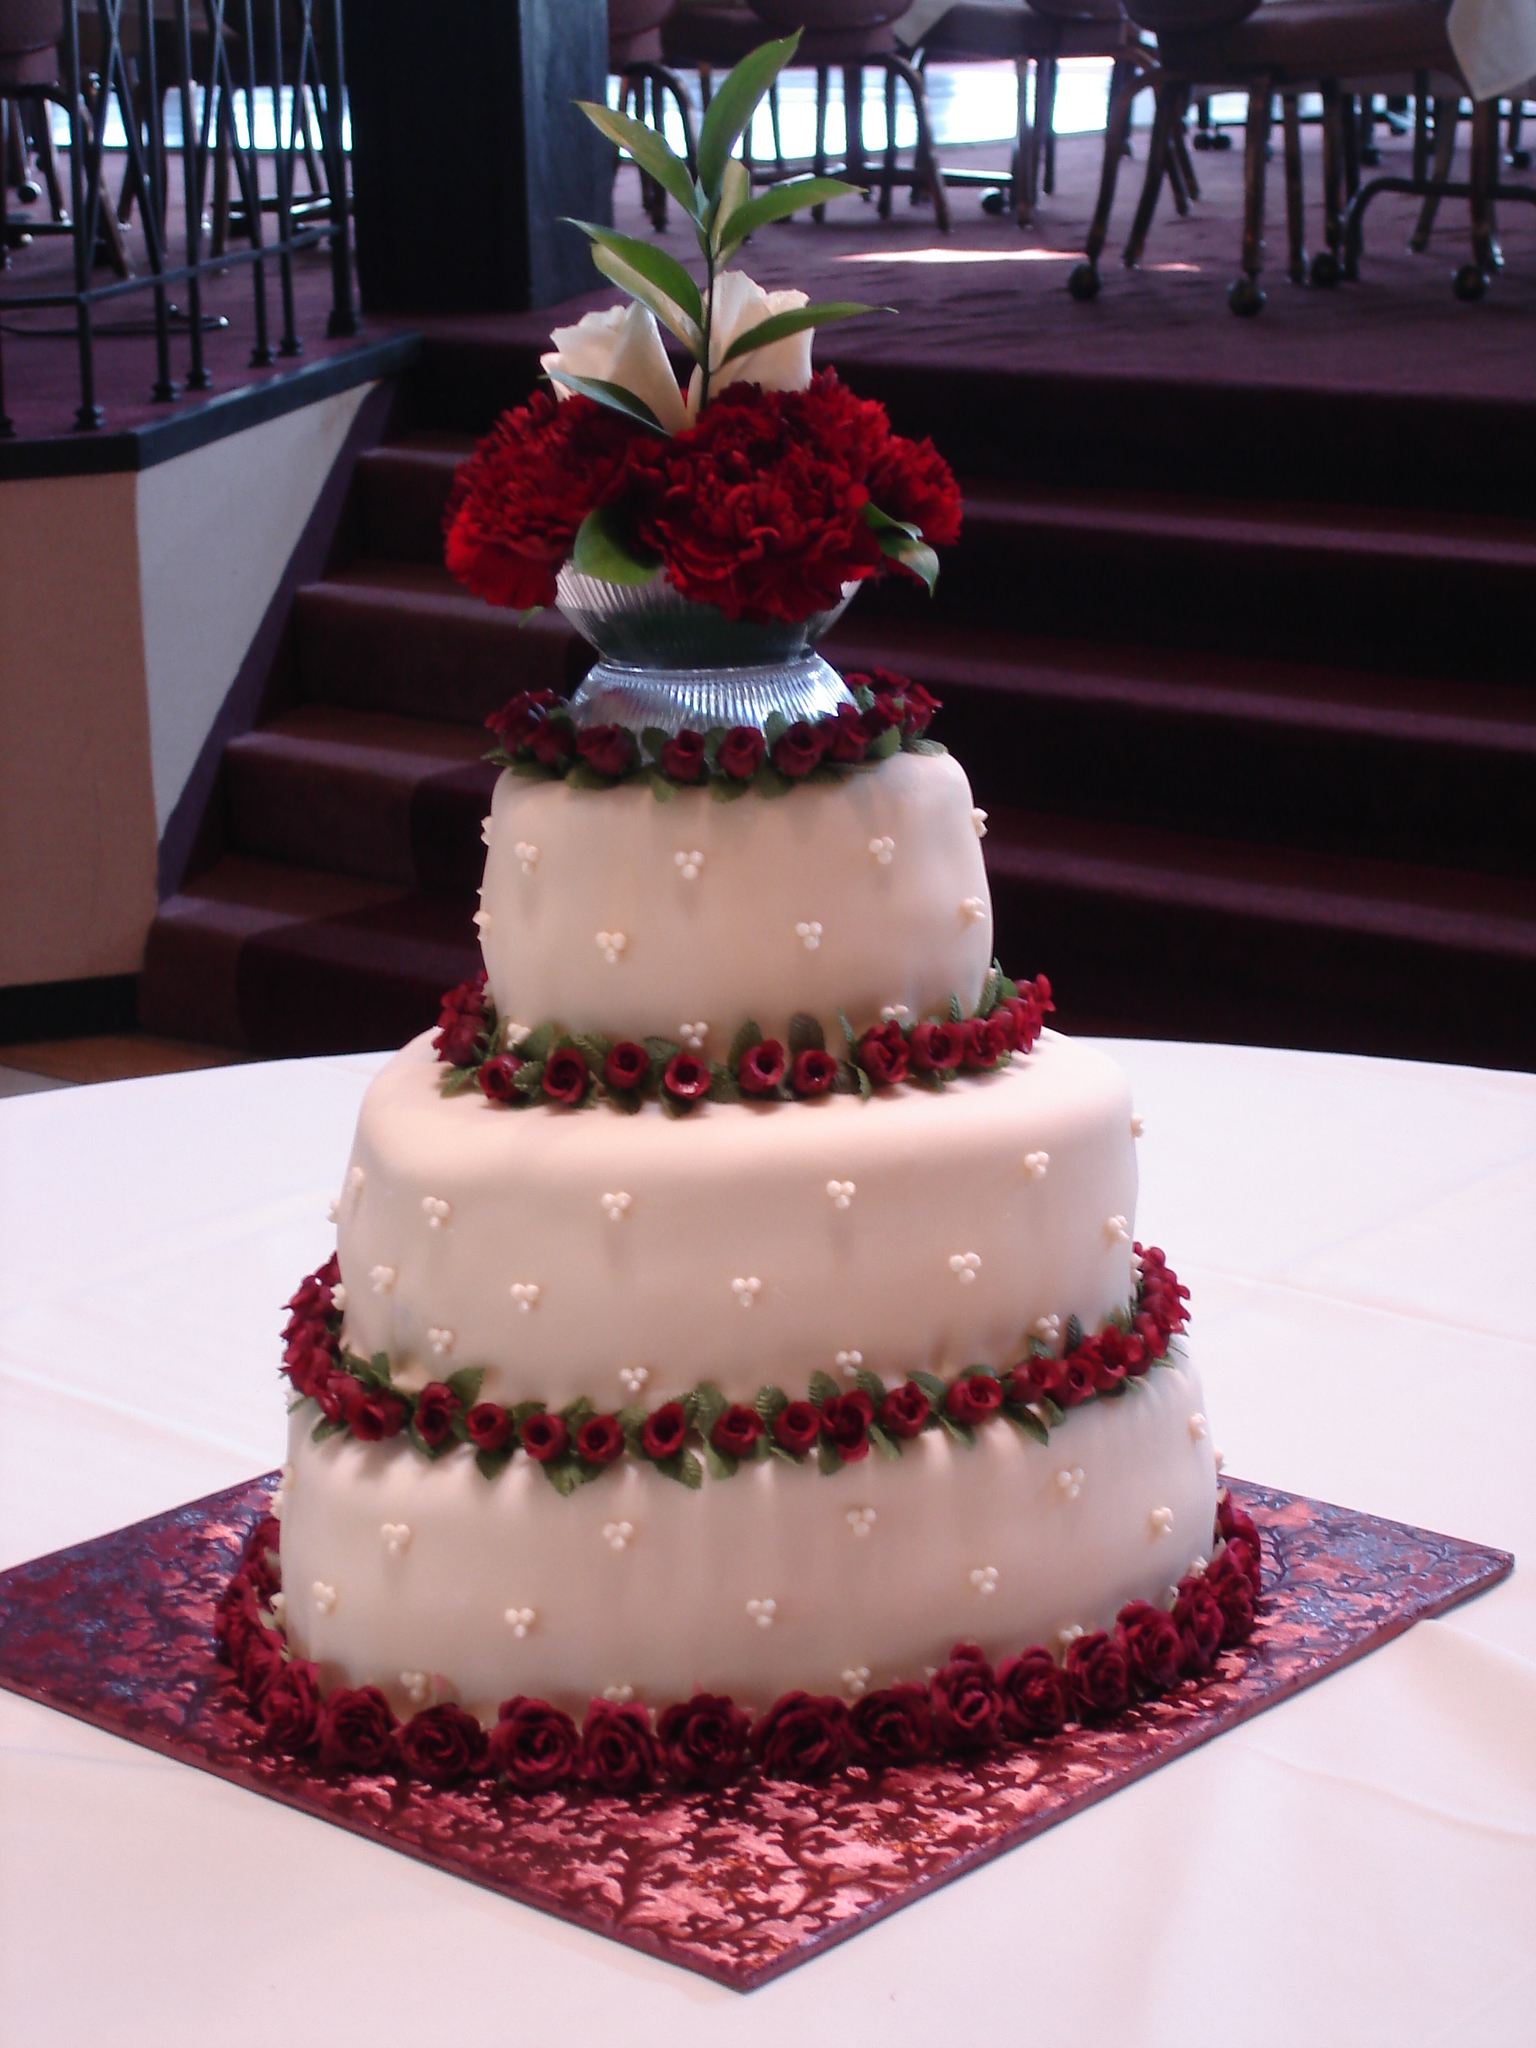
{"type": "Point", "coordinates": [740, 1885]}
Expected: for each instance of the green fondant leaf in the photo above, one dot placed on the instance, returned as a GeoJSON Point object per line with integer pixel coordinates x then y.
{"type": "Point", "coordinates": [1053, 1415]}
{"type": "Point", "coordinates": [747, 1036]}
{"type": "Point", "coordinates": [721, 1464]}
{"type": "Point", "coordinates": [888, 1446]}
{"type": "Point", "coordinates": [805, 1034]}
{"type": "Point", "coordinates": [823, 1387]}
{"type": "Point", "coordinates": [564, 1474]}
{"type": "Point", "coordinates": [962, 1432]}
{"type": "Point", "coordinates": [529, 1079]}
{"type": "Point", "coordinates": [464, 1385]}
{"type": "Point", "coordinates": [594, 1050]}
{"type": "Point", "coordinates": [870, 1383]}
{"type": "Point", "coordinates": [770, 1402]}
{"type": "Point", "coordinates": [722, 1084]}
{"type": "Point", "coordinates": [459, 1080]}
{"type": "Point", "coordinates": [576, 1412]}
{"type": "Point", "coordinates": [1027, 1420]}
{"type": "Point", "coordinates": [709, 1404]}
{"type": "Point", "coordinates": [323, 1429]}
{"type": "Point", "coordinates": [662, 1049]}
{"type": "Point", "coordinates": [955, 1012]}
{"type": "Point", "coordinates": [494, 1463]}
{"type": "Point", "coordinates": [884, 745]}
{"type": "Point", "coordinates": [684, 1468]}
{"type": "Point", "coordinates": [540, 1042]}
{"type": "Point", "coordinates": [1074, 1333]}
{"type": "Point", "coordinates": [933, 1387]}
{"type": "Point", "coordinates": [826, 1456]}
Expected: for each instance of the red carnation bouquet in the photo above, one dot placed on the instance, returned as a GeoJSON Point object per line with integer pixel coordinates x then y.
{"type": "Point", "coordinates": [763, 489]}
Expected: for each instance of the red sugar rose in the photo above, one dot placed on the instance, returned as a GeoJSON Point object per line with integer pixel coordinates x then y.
{"type": "Point", "coordinates": [1078, 1375]}
{"type": "Point", "coordinates": [905, 1411]}
{"type": "Point", "coordinates": [534, 1745]}
{"type": "Point", "coordinates": [683, 757]}
{"type": "Point", "coordinates": [1154, 1649]}
{"type": "Point", "coordinates": [290, 1706]}
{"type": "Point", "coordinates": [883, 1055]}
{"type": "Point", "coordinates": [891, 1727]}
{"type": "Point", "coordinates": [965, 1700]}
{"type": "Point", "coordinates": [801, 1737]}
{"type": "Point", "coordinates": [704, 1740]}
{"type": "Point", "coordinates": [847, 735]}
{"type": "Point", "coordinates": [1227, 1579]}
{"type": "Point", "coordinates": [552, 744]}
{"type": "Point", "coordinates": [460, 1022]}
{"type": "Point", "coordinates": [796, 1427]}
{"type": "Point", "coordinates": [919, 709]}
{"type": "Point", "coordinates": [600, 1440]}
{"type": "Point", "coordinates": [626, 1066]}
{"type": "Point", "coordinates": [845, 1420]}
{"type": "Point", "coordinates": [737, 1431]}
{"type": "Point", "coordinates": [514, 724]}
{"type": "Point", "coordinates": [936, 1048]}
{"type": "Point", "coordinates": [1096, 1666]}
{"type": "Point", "coordinates": [489, 1426]}
{"type": "Point", "coordinates": [663, 1434]}
{"type": "Point", "coordinates": [741, 753]}
{"type": "Point", "coordinates": [986, 1041]}
{"type": "Point", "coordinates": [618, 1751]}
{"type": "Point", "coordinates": [607, 749]}
{"type": "Point", "coordinates": [1198, 1617]}
{"type": "Point", "coordinates": [799, 749]}
{"type": "Point", "coordinates": [497, 1076]}
{"type": "Point", "coordinates": [566, 1076]}
{"type": "Point", "coordinates": [761, 1067]}
{"type": "Point", "coordinates": [685, 1078]}
{"type": "Point", "coordinates": [544, 1436]}
{"type": "Point", "coordinates": [356, 1730]}
{"type": "Point", "coordinates": [373, 1416]}
{"type": "Point", "coordinates": [1034, 1695]}
{"type": "Point", "coordinates": [975, 1398]}
{"type": "Point", "coordinates": [437, 1409]}
{"type": "Point", "coordinates": [1235, 1526]}
{"type": "Point", "coordinates": [1039, 1377]}
{"type": "Point", "coordinates": [813, 1073]}
{"type": "Point", "coordinates": [442, 1745]}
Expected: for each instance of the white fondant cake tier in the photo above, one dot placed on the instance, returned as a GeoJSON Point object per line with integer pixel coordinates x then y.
{"type": "Point", "coordinates": [616, 913]}
{"type": "Point", "coordinates": [745, 1244]}
{"type": "Point", "coordinates": [437, 1583]}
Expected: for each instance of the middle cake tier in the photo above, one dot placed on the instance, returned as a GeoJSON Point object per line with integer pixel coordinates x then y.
{"type": "Point", "coordinates": [565, 1250]}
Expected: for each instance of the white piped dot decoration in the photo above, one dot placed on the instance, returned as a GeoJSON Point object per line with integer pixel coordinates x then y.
{"type": "Point", "coordinates": [1221, 1459]}
{"type": "Point", "coordinates": [894, 1013]}
{"type": "Point", "coordinates": [482, 921]}
{"type": "Point", "coordinates": [441, 1341]}
{"type": "Point", "coordinates": [1037, 1164]}
{"type": "Point", "coordinates": [634, 1379]}
{"type": "Point", "coordinates": [1197, 1568]}
{"type": "Point", "coordinates": [984, 1578]}
{"type": "Point", "coordinates": [1048, 1329]}
{"type": "Point", "coordinates": [618, 1695]}
{"type": "Point", "coordinates": [842, 1193]}
{"type": "Point", "coordinates": [616, 1205]}
{"type": "Point", "coordinates": [333, 1208]}
{"type": "Point", "coordinates": [520, 1620]}
{"type": "Point", "coordinates": [527, 854]}
{"type": "Point", "coordinates": [1197, 1426]}
{"type": "Point", "coordinates": [693, 1035]}
{"type": "Point", "coordinates": [279, 1606]}
{"type": "Point", "coordinates": [1117, 1230]}
{"type": "Point", "coordinates": [848, 1362]}
{"type": "Point", "coordinates": [746, 1288]}
{"type": "Point", "coordinates": [324, 1596]}
{"type": "Point", "coordinates": [1162, 1521]}
{"type": "Point", "coordinates": [617, 1534]}
{"type": "Point", "coordinates": [882, 850]}
{"type": "Point", "coordinates": [979, 822]}
{"type": "Point", "coordinates": [276, 1504]}
{"type": "Point", "coordinates": [526, 1294]}
{"type": "Point", "coordinates": [436, 1211]}
{"type": "Point", "coordinates": [485, 830]}
{"type": "Point", "coordinates": [1068, 1636]}
{"type": "Point", "coordinates": [861, 1520]}
{"type": "Point", "coordinates": [396, 1537]}
{"type": "Point", "coordinates": [974, 909]}
{"type": "Point", "coordinates": [338, 1296]}
{"type": "Point", "coordinates": [1138, 1125]}
{"type": "Point", "coordinates": [688, 863]}
{"type": "Point", "coordinates": [808, 932]}
{"type": "Point", "coordinates": [763, 1612]}
{"type": "Point", "coordinates": [856, 1681]}
{"type": "Point", "coordinates": [515, 1033]}
{"type": "Point", "coordinates": [355, 1181]}
{"type": "Point", "coordinates": [381, 1278]}
{"type": "Point", "coordinates": [965, 1266]}
{"type": "Point", "coordinates": [418, 1687]}
{"type": "Point", "coordinates": [1070, 1480]}
{"type": "Point", "coordinates": [611, 945]}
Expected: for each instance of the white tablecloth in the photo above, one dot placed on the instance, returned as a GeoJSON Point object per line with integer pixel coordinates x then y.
{"type": "Point", "coordinates": [1357, 1866]}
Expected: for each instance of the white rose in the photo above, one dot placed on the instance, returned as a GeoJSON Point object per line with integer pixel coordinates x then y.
{"type": "Point", "coordinates": [621, 346]}
{"type": "Point", "coordinates": [738, 305]}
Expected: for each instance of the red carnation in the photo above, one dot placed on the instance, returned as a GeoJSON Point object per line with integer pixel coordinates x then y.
{"type": "Point", "coordinates": [663, 1434]}
{"type": "Point", "coordinates": [936, 1048]}
{"type": "Point", "coordinates": [911, 481]}
{"type": "Point", "coordinates": [799, 749]}
{"type": "Point", "coordinates": [974, 1398]}
{"type": "Point", "coordinates": [683, 757]}
{"type": "Point", "coordinates": [515, 505]}
{"type": "Point", "coordinates": [704, 1739]}
{"type": "Point", "coordinates": [883, 1055]}
{"type": "Point", "coordinates": [965, 1700]}
{"type": "Point", "coordinates": [442, 1745]}
{"type": "Point", "coordinates": [1096, 1666]}
{"type": "Point", "coordinates": [618, 1751]}
{"type": "Point", "coordinates": [534, 1745]}
{"type": "Point", "coordinates": [796, 1427]}
{"type": "Point", "coordinates": [891, 1727]}
{"type": "Point", "coordinates": [1154, 1649]}
{"type": "Point", "coordinates": [356, 1730]}
{"type": "Point", "coordinates": [489, 1426]}
{"type": "Point", "coordinates": [801, 1737]}
{"type": "Point", "coordinates": [1035, 1697]}
{"type": "Point", "coordinates": [607, 749]}
{"type": "Point", "coordinates": [437, 1409]}
{"type": "Point", "coordinates": [741, 753]}
{"type": "Point", "coordinates": [515, 723]}
{"type": "Point", "coordinates": [814, 1071]}
{"type": "Point", "coordinates": [497, 1076]}
{"type": "Point", "coordinates": [761, 1067]}
{"type": "Point", "coordinates": [1198, 1617]}
{"type": "Point", "coordinates": [600, 1440]}
{"type": "Point", "coordinates": [544, 1436]}
{"type": "Point", "coordinates": [685, 1078]}
{"type": "Point", "coordinates": [566, 1076]}
{"type": "Point", "coordinates": [737, 1431]}
{"type": "Point", "coordinates": [845, 1420]}
{"type": "Point", "coordinates": [290, 1706]}
{"type": "Point", "coordinates": [905, 1411]}
{"type": "Point", "coordinates": [626, 1066]}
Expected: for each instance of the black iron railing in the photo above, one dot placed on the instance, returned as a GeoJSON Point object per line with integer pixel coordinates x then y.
{"type": "Point", "coordinates": [249, 48]}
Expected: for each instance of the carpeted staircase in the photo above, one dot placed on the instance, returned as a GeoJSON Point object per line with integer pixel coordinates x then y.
{"type": "Point", "coordinates": [1256, 771]}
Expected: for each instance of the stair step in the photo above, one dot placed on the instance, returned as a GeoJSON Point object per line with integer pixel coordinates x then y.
{"type": "Point", "coordinates": [361, 793]}
{"type": "Point", "coordinates": [400, 491]}
{"type": "Point", "coordinates": [286, 961]}
{"type": "Point", "coordinates": [1328, 759]}
{"type": "Point", "coordinates": [1160, 933]}
{"type": "Point", "coordinates": [404, 637]}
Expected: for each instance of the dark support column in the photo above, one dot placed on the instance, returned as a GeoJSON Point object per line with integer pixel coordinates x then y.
{"type": "Point", "coordinates": [466, 150]}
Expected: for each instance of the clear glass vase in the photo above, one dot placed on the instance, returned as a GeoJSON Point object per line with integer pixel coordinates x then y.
{"type": "Point", "coordinates": [665, 661]}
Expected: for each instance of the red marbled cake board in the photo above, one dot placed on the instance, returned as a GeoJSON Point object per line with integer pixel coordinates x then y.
{"type": "Point", "coordinates": [740, 1885]}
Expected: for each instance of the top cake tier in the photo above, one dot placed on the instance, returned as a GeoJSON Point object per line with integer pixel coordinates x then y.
{"type": "Point", "coordinates": [616, 913]}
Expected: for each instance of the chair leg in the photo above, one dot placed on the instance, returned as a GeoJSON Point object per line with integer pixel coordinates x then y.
{"type": "Point", "coordinates": [223, 154]}
{"type": "Point", "coordinates": [1518, 159]}
{"type": "Point", "coordinates": [1472, 278]}
{"type": "Point", "coordinates": [1246, 295]}
{"type": "Point", "coordinates": [819, 158]}
{"type": "Point", "coordinates": [1127, 79]}
{"type": "Point", "coordinates": [853, 122]}
{"type": "Point", "coordinates": [48, 161]}
{"type": "Point", "coordinates": [1295, 212]}
{"type": "Point", "coordinates": [1349, 146]}
{"type": "Point", "coordinates": [1181, 152]}
{"type": "Point", "coordinates": [1420, 128]}
{"type": "Point", "coordinates": [1045, 122]}
{"type": "Point", "coordinates": [1023, 196]}
{"type": "Point", "coordinates": [927, 158]}
{"type": "Point", "coordinates": [1338, 123]}
{"type": "Point", "coordinates": [888, 174]}
{"type": "Point", "coordinates": [1175, 172]}
{"type": "Point", "coordinates": [1158, 155]}
{"type": "Point", "coordinates": [1446, 112]}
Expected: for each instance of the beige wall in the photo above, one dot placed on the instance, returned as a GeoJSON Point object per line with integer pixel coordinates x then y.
{"type": "Point", "coordinates": [127, 604]}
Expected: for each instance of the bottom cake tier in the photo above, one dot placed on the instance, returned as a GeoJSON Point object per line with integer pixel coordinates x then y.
{"type": "Point", "coordinates": [438, 1584]}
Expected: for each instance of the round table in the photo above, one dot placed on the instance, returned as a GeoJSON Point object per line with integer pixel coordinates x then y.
{"type": "Point", "coordinates": [1355, 1866]}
